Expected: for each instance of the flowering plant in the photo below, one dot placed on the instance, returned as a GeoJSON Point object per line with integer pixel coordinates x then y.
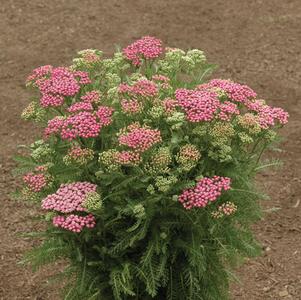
{"type": "Point", "coordinates": [144, 173]}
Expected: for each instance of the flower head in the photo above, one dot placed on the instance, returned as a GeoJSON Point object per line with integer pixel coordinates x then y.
{"type": "Point", "coordinates": [145, 48]}
{"type": "Point", "coordinates": [206, 190]}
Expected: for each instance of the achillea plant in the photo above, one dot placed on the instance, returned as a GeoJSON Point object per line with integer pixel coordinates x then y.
{"type": "Point", "coordinates": [145, 173]}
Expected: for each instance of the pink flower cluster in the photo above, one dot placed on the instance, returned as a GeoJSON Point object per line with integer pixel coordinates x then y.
{"type": "Point", "coordinates": [131, 106]}
{"type": "Point", "coordinates": [57, 83]}
{"type": "Point", "coordinates": [161, 78]}
{"type": "Point", "coordinates": [235, 91]}
{"type": "Point", "coordinates": [80, 106]}
{"type": "Point", "coordinates": [198, 105]}
{"type": "Point", "coordinates": [83, 125]}
{"type": "Point", "coordinates": [141, 88]}
{"type": "Point", "coordinates": [82, 76]}
{"type": "Point", "coordinates": [36, 182]}
{"type": "Point", "coordinates": [206, 190]}
{"type": "Point", "coordinates": [104, 115]}
{"type": "Point", "coordinates": [74, 223]}
{"type": "Point", "coordinates": [54, 126]}
{"type": "Point", "coordinates": [77, 153]}
{"type": "Point", "coordinates": [268, 115]}
{"type": "Point", "coordinates": [139, 138]}
{"type": "Point", "coordinates": [169, 105]}
{"type": "Point", "coordinates": [51, 100]}
{"type": "Point", "coordinates": [227, 110]}
{"type": "Point", "coordinates": [144, 48]}
{"type": "Point", "coordinates": [39, 73]}
{"type": "Point", "coordinates": [128, 158]}
{"type": "Point", "coordinates": [60, 82]}
{"type": "Point", "coordinates": [69, 197]}
{"type": "Point", "coordinates": [92, 96]}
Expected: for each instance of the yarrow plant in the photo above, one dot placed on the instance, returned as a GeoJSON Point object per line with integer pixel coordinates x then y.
{"type": "Point", "coordinates": [144, 172]}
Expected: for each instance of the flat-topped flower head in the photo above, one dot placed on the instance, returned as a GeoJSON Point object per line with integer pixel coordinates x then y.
{"type": "Point", "coordinates": [69, 197]}
{"type": "Point", "coordinates": [81, 125]}
{"type": "Point", "coordinates": [80, 106]}
{"type": "Point", "coordinates": [74, 223]}
{"type": "Point", "coordinates": [92, 96]}
{"type": "Point", "coordinates": [38, 73]}
{"type": "Point", "coordinates": [206, 190]}
{"type": "Point", "coordinates": [142, 88]}
{"type": "Point", "coordinates": [129, 158]}
{"type": "Point", "coordinates": [199, 105]}
{"type": "Point", "coordinates": [35, 182]}
{"type": "Point", "coordinates": [188, 156]}
{"type": "Point", "coordinates": [104, 115]}
{"type": "Point", "coordinates": [78, 155]}
{"type": "Point", "coordinates": [235, 91]}
{"type": "Point", "coordinates": [139, 138]}
{"type": "Point", "coordinates": [145, 48]}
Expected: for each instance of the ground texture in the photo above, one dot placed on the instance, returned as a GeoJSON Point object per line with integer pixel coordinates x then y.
{"type": "Point", "coordinates": [255, 41]}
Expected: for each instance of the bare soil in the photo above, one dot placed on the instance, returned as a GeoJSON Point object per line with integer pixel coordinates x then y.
{"type": "Point", "coordinates": [255, 41]}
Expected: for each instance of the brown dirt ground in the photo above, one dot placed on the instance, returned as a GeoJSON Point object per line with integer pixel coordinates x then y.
{"type": "Point", "coordinates": [253, 41]}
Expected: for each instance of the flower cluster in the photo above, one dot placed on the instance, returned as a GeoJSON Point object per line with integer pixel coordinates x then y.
{"type": "Point", "coordinates": [69, 197]}
{"type": "Point", "coordinates": [139, 138]}
{"type": "Point", "coordinates": [57, 83]}
{"type": "Point", "coordinates": [92, 96]}
{"type": "Point", "coordinates": [84, 124]}
{"type": "Point", "coordinates": [188, 157]}
{"type": "Point", "coordinates": [159, 161]}
{"type": "Point", "coordinates": [206, 190]}
{"type": "Point", "coordinates": [145, 48]}
{"type": "Point", "coordinates": [142, 88]}
{"type": "Point", "coordinates": [235, 91]}
{"type": "Point", "coordinates": [87, 58]}
{"type": "Point", "coordinates": [78, 155]}
{"type": "Point", "coordinates": [80, 106]}
{"type": "Point", "coordinates": [74, 223]}
{"type": "Point", "coordinates": [226, 209]}
{"type": "Point", "coordinates": [129, 158]}
{"type": "Point", "coordinates": [35, 182]}
{"type": "Point", "coordinates": [198, 105]}
{"type": "Point", "coordinates": [92, 202]}
{"type": "Point", "coordinates": [33, 112]}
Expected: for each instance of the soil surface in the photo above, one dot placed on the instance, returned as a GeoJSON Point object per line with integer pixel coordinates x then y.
{"type": "Point", "coordinates": [255, 42]}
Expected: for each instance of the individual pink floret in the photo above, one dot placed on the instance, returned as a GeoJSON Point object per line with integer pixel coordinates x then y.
{"type": "Point", "coordinates": [69, 197]}
{"type": "Point", "coordinates": [144, 48]}
{"type": "Point", "coordinates": [206, 190]}
{"type": "Point", "coordinates": [199, 105]}
{"type": "Point", "coordinates": [74, 223]}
